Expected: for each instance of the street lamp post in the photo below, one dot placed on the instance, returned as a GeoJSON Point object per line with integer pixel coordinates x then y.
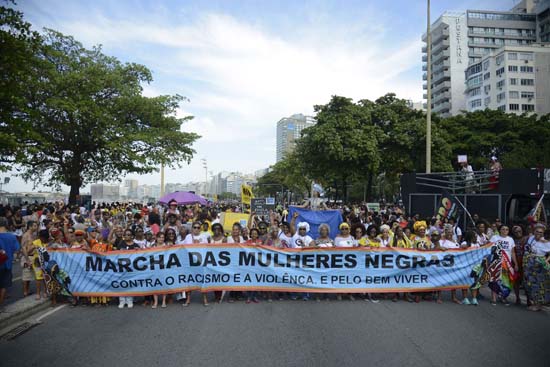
{"type": "Point", "coordinates": [205, 166]}
{"type": "Point", "coordinates": [429, 99]}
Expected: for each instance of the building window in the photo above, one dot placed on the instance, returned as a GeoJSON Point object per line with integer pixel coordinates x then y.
{"type": "Point", "coordinates": [501, 83]}
{"type": "Point", "coordinates": [526, 56]}
{"type": "Point", "coordinates": [513, 68]}
{"type": "Point", "coordinates": [499, 59]}
{"type": "Point", "coordinates": [500, 71]}
{"type": "Point", "coordinates": [485, 64]}
{"type": "Point", "coordinates": [512, 56]}
{"type": "Point", "coordinates": [526, 69]}
{"type": "Point", "coordinates": [486, 76]}
{"type": "Point", "coordinates": [528, 95]}
{"type": "Point", "coordinates": [501, 96]}
{"type": "Point", "coordinates": [475, 92]}
{"type": "Point", "coordinates": [527, 107]}
{"type": "Point", "coordinates": [502, 108]}
{"type": "Point", "coordinates": [475, 103]}
{"type": "Point", "coordinates": [487, 101]}
{"type": "Point", "coordinates": [513, 81]}
{"type": "Point", "coordinates": [513, 107]}
{"type": "Point", "coordinates": [487, 88]}
{"type": "Point", "coordinates": [527, 81]}
{"type": "Point", "coordinates": [513, 95]}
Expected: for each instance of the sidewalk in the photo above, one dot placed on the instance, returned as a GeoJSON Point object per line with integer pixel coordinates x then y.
{"type": "Point", "coordinates": [21, 309]}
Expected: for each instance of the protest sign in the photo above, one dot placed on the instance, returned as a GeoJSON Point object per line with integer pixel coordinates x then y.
{"type": "Point", "coordinates": [239, 267]}
{"type": "Point", "coordinates": [261, 207]}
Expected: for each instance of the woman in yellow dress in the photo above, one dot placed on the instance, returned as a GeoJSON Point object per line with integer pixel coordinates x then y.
{"type": "Point", "coordinates": [41, 242]}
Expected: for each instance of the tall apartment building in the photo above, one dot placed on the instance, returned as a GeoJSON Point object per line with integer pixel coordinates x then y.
{"type": "Point", "coordinates": [542, 9]}
{"type": "Point", "coordinates": [105, 192]}
{"type": "Point", "coordinates": [513, 79]}
{"type": "Point", "coordinates": [449, 59]}
{"type": "Point", "coordinates": [461, 39]}
{"type": "Point", "coordinates": [288, 130]}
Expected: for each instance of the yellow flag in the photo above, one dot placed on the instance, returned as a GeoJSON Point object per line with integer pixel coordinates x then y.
{"type": "Point", "coordinates": [246, 194]}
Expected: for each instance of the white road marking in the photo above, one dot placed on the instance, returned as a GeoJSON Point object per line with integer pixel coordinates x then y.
{"type": "Point", "coordinates": [50, 312]}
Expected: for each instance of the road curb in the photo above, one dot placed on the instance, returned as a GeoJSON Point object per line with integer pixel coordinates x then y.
{"type": "Point", "coordinates": [20, 310]}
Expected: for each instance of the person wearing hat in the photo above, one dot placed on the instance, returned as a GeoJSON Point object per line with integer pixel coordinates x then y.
{"type": "Point", "coordinates": [420, 239]}
{"type": "Point", "coordinates": [80, 241]}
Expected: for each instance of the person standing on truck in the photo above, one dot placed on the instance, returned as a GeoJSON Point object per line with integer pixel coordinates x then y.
{"type": "Point", "coordinates": [495, 168]}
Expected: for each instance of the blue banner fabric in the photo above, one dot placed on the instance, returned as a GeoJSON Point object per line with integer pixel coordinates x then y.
{"type": "Point", "coordinates": [317, 217]}
{"type": "Point", "coordinates": [206, 267]}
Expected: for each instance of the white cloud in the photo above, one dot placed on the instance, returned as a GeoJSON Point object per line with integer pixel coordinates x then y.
{"type": "Point", "coordinates": [249, 77]}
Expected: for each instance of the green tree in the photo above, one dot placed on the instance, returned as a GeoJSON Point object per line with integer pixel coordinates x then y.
{"type": "Point", "coordinates": [287, 174]}
{"type": "Point", "coordinates": [342, 146]}
{"type": "Point", "coordinates": [518, 141]}
{"type": "Point", "coordinates": [18, 43]}
{"type": "Point", "coordinates": [83, 118]}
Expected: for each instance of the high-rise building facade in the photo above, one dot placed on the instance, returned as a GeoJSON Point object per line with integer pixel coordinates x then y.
{"type": "Point", "coordinates": [462, 39]}
{"type": "Point", "coordinates": [288, 130]}
{"type": "Point", "coordinates": [449, 58]}
{"type": "Point", "coordinates": [513, 79]}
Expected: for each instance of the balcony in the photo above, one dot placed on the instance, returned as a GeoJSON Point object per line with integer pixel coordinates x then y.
{"type": "Point", "coordinates": [425, 58]}
{"type": "Point", "coordinates": [424, 49]}
{"type": "Point", "coordinates": [441, 97]}
{"type": "Point", "coordinates": [424, 76]}
{"type": "Point", "coordinates": [502, 35]}
{"type": "Point", "coordinates": [444, 65]}
{"type": "Point", "coordinates": [425, 86]}
{"type": "Point", "coordinates": [437, 36]}
{"type": "Point", "coordinates": [440, 87]}
{"type": "Point", "coordinates": [442, 107]}
{"type": "Point", "coordinates": [425, 96]}
{"type": "Point", "coordinates": [424, 67]}
{"type": "Point", "coordinates": [438, 77]}
{"type": "Point", "coordinates": [441, 56]}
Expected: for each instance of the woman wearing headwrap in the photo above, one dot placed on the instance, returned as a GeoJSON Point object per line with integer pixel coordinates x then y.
{"type": "Point", "coordinates": [301, 237]}
{"type": "Point", "coordinates": [420, 239]}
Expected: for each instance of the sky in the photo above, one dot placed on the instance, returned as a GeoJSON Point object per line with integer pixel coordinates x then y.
{"type": "Point", "coordinates": [244, 65]}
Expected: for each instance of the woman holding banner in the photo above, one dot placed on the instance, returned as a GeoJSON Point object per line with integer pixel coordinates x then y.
{"type": "Point", "coordinates": [344, 239]}
{"type": "Point", "coordinates": [505, 259]}
{"type": "Point", "coordinates": [196, 237]}
{"type": "Point", "coordinates": [448, 243]}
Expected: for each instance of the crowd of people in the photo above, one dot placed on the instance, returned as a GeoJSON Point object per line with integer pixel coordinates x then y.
{"type": "Point", "coordinates": [25, 232]}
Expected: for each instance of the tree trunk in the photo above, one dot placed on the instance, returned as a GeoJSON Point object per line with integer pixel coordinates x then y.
{"type": "Point", "coordinates": [369, 186]}
{"type": "Point", "coordinates": [75, 192]}
{"type": "Point", "coordinates": [344, 190]}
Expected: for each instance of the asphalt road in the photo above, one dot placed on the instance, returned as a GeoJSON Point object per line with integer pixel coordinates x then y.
{"type": "Point", "coordinates": [286, 333]}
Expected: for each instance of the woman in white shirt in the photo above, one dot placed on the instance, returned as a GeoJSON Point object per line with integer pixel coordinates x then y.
{"type": "Point", "coordinates": [195, 237]}
{"type": "Point", "coordinates": [301, 238]}
{"type": "Point", "coordinates": [447, 243]}
{"type": "Point", "coordinates": [505, 245]}
{"type": "Point", "coordinates": [345, 239]}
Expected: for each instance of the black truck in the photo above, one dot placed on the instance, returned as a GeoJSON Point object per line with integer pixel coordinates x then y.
{"type": "Point", "coordinates": [508, 195]}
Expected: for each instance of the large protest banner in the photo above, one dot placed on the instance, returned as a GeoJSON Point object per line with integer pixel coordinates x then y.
{"type": "Point", "coordinates": [237, 267]}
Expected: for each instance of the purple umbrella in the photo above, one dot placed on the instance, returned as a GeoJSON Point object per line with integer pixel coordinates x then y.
{"type": "Point", "coordinates": [183, 198]}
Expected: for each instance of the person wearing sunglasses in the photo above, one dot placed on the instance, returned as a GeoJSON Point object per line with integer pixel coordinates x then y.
{"type": "Point", "coordinates": [345, 239]}
{"type": "Point", "coordinates": [196, 237]}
